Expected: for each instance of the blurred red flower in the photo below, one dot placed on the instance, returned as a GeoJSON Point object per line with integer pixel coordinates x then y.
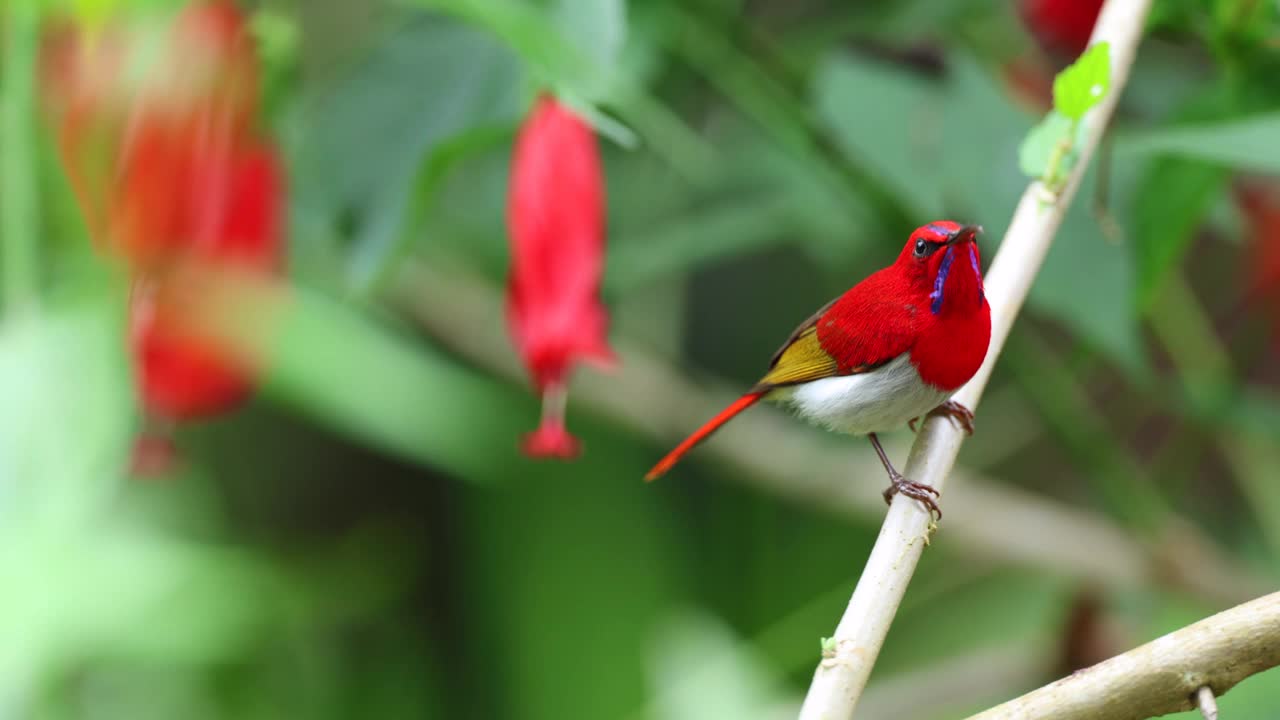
{"type": "Point", "coordinates": [1259, 202]}
{"type": "Point", "coordinates": [174, 180]}
{"type": "Point", "coordinates": [181, 374]}
{"type": "Point", "coordinates": [148, 152]}
{"type": "Point", "coordinates": [556, 216]}
{"type": "Point", "coordinates": [1062, 27]}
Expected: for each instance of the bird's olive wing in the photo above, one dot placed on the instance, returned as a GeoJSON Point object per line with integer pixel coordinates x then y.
{"type": "Point", "coordinates": [804, 358]}
{"type": "Point", "coordinates": [801, 360]}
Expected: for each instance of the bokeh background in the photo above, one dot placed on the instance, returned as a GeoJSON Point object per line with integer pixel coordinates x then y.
{"type": "Point", "coordinates": [364, 539]}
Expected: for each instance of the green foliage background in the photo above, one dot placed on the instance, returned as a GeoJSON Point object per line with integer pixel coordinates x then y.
{"type": "Point", "coordinates": [365, 541]}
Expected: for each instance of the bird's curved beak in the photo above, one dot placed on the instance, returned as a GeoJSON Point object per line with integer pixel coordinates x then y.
{"type": "Point", "coordinates": [968, 232]}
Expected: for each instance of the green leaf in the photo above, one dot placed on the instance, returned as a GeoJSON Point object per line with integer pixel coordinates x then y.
{"type": "Point", "coordinates": [1044, 141]}
{"type": "Point", "coordinates": [701, 669]}
{"type": "Point", "coordinates": [70, 523]}
{"type": "Point", "coordinates": [568, 543]}
{"type": "Point", "coordinates": [882, 118]}
{"type": "Point", "coordinates": [601, 122]}
{"type": "Point", "coordinates": [1248, 143]}
{"type": "Point", "coordinates": [384, 120]}
{"type": "Point", "coordinates": [598, 28]}
{"type": "Point", "coordinates": [96, 11]}
{"type": "Point", "coordinates": [1006, 605]}
{"type": "Point", "coordinates": [1088, 280]}
{"type": "Point", "coordinates": [421, 406]}
{"type": "Point", "coordinates": [277, 35]}
{"type": "Point", "coordinates": [1171, 200]}
{"type": "Point", "coordinates": [1084, 83]}
{"type": "Point", "coordinates": [19, 197]}
{"type": "Point", "coordinates": [557, 61]}
{"type": "Point", "coordinates": [692, 238]}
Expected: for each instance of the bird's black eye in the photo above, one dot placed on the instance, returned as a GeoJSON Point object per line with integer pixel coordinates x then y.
{"type": "Point", "coordinates": [922, 248]}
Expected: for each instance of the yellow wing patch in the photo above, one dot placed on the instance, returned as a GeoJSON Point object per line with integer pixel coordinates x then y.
{"type": "Point", "coordinates": [802, 360]}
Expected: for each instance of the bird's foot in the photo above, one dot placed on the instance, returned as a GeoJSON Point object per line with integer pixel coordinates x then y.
{"type": "Point", "coordinates": [953, 410]}
{"type": "Point", "coordinates": [914, 490]}
{"type": "Point", "coordinates": [957, 412]}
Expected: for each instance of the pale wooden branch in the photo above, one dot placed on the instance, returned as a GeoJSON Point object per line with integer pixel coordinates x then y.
{"type": "Point", "coordinates": [1163, 676]}
{"type": "Point", "coordinates": [842, 674]}
{"type": "Point", "coordinates": [775, 454]}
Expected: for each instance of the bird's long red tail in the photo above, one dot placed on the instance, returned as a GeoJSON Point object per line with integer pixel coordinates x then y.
{"type": "Point", "coordinates": [701, 434]}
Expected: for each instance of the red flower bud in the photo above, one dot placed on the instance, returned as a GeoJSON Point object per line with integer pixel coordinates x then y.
{"type": "Point", "coordinates": [556, 216]}
{"type": "Point", "coordinates": [1062, 27]}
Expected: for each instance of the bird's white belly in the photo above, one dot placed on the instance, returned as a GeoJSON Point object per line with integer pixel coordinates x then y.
{"type": "Point", "coordinates": [877, 401]}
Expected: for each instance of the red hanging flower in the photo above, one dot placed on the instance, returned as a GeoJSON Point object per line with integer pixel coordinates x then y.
{"type": "Point", "coordinates": [181, 374]}
{"type": "Point", "coordinates": [174, 180]}
{"type": "Point", "coordinates": [148, 152]}
{"type": "Point", "coordinates": [1062, 27]}
{"type": "Point", "coordinates": [556, 216]}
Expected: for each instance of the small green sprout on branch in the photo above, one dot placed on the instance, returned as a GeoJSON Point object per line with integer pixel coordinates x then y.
{"type": "Point", "coordinates": [1050, 149]}
{"type": "Point", "coordinates": [828, 647]}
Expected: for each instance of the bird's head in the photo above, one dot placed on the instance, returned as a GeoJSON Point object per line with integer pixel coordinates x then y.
{"type": "Point", "coordinates": [941, 260]}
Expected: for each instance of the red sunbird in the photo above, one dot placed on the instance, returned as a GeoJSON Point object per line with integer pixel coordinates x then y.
{"type": "Point", "coordinates": [892, 348]}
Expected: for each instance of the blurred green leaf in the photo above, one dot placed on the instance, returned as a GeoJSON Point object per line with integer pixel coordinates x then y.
{"type": "Point", "coordinates": [1088, 282]}
{"type": "Point", "coordinates": [362, 378]}
{"type": "Point", "coordinates": [885, 118]}
{"type": "Point", "coordinates": [1003, 606]}
{"type": "Point", "coordinates": [45, 483]}
{"type": "Point", "coordinates": [581, 67]}
{"type": "Point", "coordinates": [1247, 143]}
{"type": "Point", "coordinates": [96, 11]}
{"type": "Point", "coordinates": [69, 532]}
{"type": "Point", "coordinates": [586, 540]}
{"type": "Point", "coordinates": [701, 670]}
{"type": "Point", "coordinates": [1171, 199]}
{"type": "Point", "coordinates": [276, 35]}
{"type": "Point", "coordinates": [19, 198]}
{"type": "Point", "coordinates": [777, 108]}
{"type": "Point", "coordinates": [385, 118]}
{"type": "Point", "coordinates": [691, 238]}
{"type": "Point", "coordinates": [596, 27]}
{"type": "Point", "coordinates": [1045, 140]}
{"type": "Point", "coordinates": [1255, 411]}
{"type": "Point", "coordinates": [1084, 83]}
